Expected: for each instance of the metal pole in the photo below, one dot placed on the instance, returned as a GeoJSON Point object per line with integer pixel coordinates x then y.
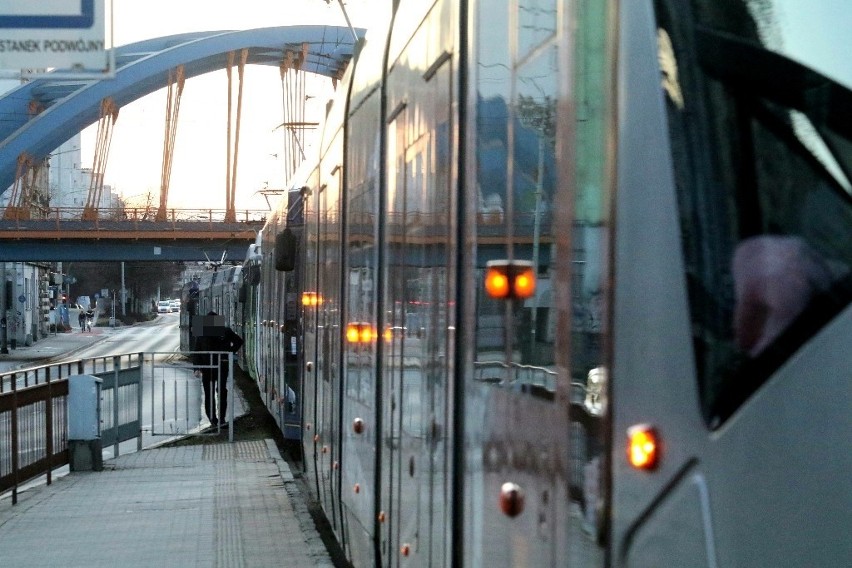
{"type": "Point", "coordinates": [116, 372]}
{"type": "Point", "coordinates": [15, 462]}
{"type": "Point", "coordinates": [123, 292]}
{"type": "Point", "coordinates": [348, 22]}
{"type": "Point", "coordinates": [231, 396]}
{"type": "Point", "coordinates": [139, 392]}
{"type": "Point", "coordinates": [539, 189]}
{"type": "Point", "coordinates": [4, 346]}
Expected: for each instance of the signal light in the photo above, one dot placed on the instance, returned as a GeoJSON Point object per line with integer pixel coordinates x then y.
{"type": "Point", "coordinates": [643, 447]}
{"type": "Point", "coordinates": [360, 332]}
{"type": "Point", "coordinates": [509, 279]}
{"type": "Point", "coordinates": [311, 299]}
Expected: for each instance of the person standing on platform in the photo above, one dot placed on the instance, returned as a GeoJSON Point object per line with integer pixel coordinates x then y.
{"type": "Point", "coordinates": [211, 335]}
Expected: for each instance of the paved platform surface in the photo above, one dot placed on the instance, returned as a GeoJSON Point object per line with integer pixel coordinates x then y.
{"type": "Point", "coordinates": [222, 504]}
{"type": "Point", "coordinates": [217, 504]}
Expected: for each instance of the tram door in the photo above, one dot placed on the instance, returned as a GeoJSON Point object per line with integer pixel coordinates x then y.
{"type": "Point", "coordinates": [328, 341]}
{"type": "Point", "coordinates": [416, 339]}
{"type": "Point", "coordinates": [392, 364]}
{"type": "Point", "coordinates": [311, 393]}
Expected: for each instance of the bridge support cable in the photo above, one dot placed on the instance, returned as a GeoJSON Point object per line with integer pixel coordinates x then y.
{"type": "Point", "coordinates": [29, 193]}
{"type": "Point", "coordinates": [174, 90]}
{"type": "Point", "coordinates": [293, 102]}
{"type": "Point", "coordinates": [106, 124]}
{"type": "Point", "coordinates": [231, 170]}
{"type": "Point", "coordinates": [29, 196]}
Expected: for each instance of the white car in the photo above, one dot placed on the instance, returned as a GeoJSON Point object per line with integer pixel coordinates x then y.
{"type": "Point", "coordinates": [175, 305]}
{"type": "Point", "coordinates": [164, 307]}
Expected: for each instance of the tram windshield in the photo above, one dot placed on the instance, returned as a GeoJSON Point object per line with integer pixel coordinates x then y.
{"type": "Point", "coordinates": [763, 162]}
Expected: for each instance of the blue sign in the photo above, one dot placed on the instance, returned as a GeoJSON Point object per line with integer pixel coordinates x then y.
{"type": "Point", "coordinates": [83, 20]}
{"type": "Point", "coordinates": [22, 298]}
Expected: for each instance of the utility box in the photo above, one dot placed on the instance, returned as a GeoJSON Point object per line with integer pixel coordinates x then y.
{"type": "Point", "coordinates": [84, 423]}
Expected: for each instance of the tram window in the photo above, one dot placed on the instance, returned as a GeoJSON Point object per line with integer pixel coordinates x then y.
{"type": "Point", "coordinates": [766, 216]}
{"type": "Point", "coordinates": [536, 24]}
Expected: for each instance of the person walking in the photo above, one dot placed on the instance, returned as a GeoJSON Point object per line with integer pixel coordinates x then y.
{"type": "Point", "coordinates": [212, 341]}
{"type": "Point", "coordinates": [81, 319]}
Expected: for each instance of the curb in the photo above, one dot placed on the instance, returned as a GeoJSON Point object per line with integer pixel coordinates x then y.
{"type": "Point", "coordinates": [316, 547]}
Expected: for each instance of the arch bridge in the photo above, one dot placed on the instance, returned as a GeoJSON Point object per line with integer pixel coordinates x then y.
{"type": "Point", "coordinates": [40, 115]}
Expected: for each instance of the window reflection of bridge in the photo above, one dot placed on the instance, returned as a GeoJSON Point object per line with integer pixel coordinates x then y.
{"type": "Point", "coordinates": [129, 223]}
{"type": "Point", "coordinates": [63, 234]}
{"type": "Point", "coordinates": [425, 228]}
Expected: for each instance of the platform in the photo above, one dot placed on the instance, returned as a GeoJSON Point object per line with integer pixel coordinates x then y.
{"type": "Point", "coordinates": [219, 504]}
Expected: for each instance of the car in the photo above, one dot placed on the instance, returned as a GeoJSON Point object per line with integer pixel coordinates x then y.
{"type": "Point", "coordinates": [175, 305]}
{"type": "Point", "coordinates": [164, 307]}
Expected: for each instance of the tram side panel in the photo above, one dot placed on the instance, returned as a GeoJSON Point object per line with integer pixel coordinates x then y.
{"type": "Point", "coordinates": [359, 429]}
{"type": "Point", "coordinates": [743, 215]}
{"type": "Point", "coordinates": [419, 267]}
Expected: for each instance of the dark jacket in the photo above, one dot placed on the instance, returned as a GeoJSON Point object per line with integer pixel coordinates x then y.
{"type": "Point", "coordinates": [219, 339]}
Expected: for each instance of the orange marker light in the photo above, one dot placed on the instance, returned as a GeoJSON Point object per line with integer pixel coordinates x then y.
{"type": "Point", "coordinates": [311, 299]}
{"type": "Point", "coordinates": [360, 332]}
{"type": "Point", "coordinates": [367, 334]}
{"type": "Point", "coordinates": [352, 333]}
{"type": "Point", "coordinates": [510, 279]}
{"type": "Point", "coordinates": [643, 447]}
{"type": "Point", "coordinates": [496, 283]}
{"type": "Point", "coordinates": [525, 283]}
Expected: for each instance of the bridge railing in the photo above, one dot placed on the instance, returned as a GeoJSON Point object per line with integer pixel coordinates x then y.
{"type": "Point", "coordinates": [137, 217]}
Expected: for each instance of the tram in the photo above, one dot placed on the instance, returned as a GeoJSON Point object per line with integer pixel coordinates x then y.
{"type": "Point", "coordinates": [567, 284]}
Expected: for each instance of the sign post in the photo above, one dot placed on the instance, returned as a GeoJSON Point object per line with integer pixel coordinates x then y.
{"type": "Point", "coordinates": [55, 34]}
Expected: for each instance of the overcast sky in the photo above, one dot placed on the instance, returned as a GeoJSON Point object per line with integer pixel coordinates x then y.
{"type": "Point", "coordinates": [199, 166]}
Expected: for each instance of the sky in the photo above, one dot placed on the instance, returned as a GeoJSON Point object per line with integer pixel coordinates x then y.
{"type": "Point", "coordinates": [198, 176]}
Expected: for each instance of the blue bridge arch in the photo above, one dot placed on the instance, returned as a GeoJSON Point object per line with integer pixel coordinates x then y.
{"type": "Point", "coordinates": [67, 107]}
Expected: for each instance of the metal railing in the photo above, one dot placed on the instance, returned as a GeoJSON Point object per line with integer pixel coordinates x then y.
{"type": "Point", "coordinates": [132, 215]}
{"type": "Point", "coordinates": [33, 431]}
{"type": "Point", "coordinates": [34, 409]}
{"type": "Point", "coordinates": [34, 414]}
{"type": "Point", "coordinates": [515, 375]}
{"type": "Point", "coordinates": [70, 222]}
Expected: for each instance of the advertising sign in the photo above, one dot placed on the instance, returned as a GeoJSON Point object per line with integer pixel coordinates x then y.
{"type": "Point", "coordinates": [64, 34]}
